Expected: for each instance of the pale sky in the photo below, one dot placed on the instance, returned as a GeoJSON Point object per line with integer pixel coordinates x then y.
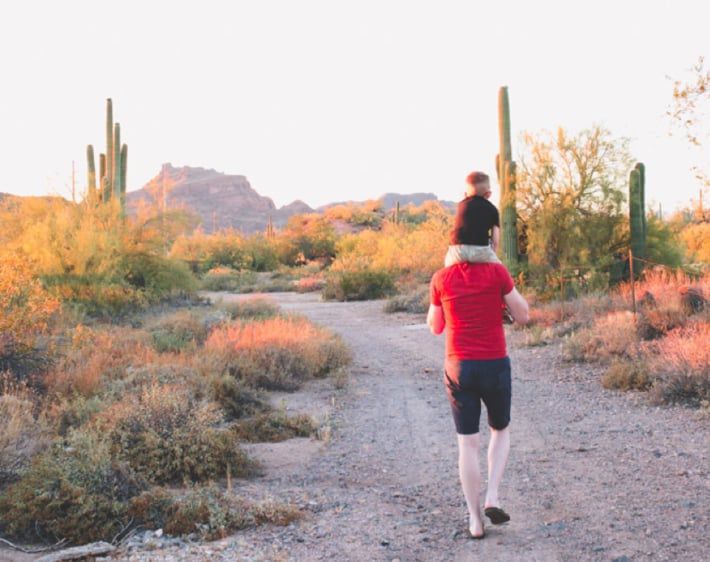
{"type": "Point", "coordinates": [331, 100]}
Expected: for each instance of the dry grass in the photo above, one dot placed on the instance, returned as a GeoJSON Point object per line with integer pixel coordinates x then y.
{"type": "Point", "coordinates": [98, 356]}
{"type": "Point", "coordinates": [414, 301]}
{"type": "Point", "coordinates": [276, 353]}
{"type": "Point", "coordinates": [624, 374]}
{"type": "Point", "coordinates": [251, 308]}
{"type": "Point", "coordinates": [207, 512]}
{"type": "Point", "coordinates": [310, 284]}
{"type": "Point", "coordinates": [612, 335]}
{"type": "Point", "coordinates": [680, 363]}
{"type": "Point", "coordinates": [181, 330]}
{"type": "Point", "coordinates": [273, 427]}
{"type": "Point", "coordinates": [665, 285]}
{"type": "Point", "coordinates": [23, 435]}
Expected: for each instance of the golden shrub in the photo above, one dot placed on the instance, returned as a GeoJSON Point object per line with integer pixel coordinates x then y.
{"type": "Point", "coordinates": [278, 352]}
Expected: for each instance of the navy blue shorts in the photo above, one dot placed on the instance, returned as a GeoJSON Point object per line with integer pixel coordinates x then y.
{"type": "Point", "coordinates": [470, 381]}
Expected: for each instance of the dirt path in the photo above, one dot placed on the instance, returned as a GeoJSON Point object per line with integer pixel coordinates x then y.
{"type": "Point", "coordinates": [593, 474]}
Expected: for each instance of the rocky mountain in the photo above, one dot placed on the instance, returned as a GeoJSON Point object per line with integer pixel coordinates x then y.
{"type": "Point", "coordinates": [220, 200]}
{"type": "Point", "coordinates": [389, 200]}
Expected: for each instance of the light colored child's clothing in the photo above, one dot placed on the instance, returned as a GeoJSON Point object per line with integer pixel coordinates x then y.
{"type": "Point", "coordinates": [458, 253]}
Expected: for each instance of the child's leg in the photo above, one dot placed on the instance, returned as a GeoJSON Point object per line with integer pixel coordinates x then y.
{"type": "Point", "coordinates": [458, 253]}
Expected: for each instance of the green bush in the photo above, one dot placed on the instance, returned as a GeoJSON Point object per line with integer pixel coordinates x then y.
{"type": "Point", "coordinates": [100, 297]}
{"type": "Point", "coordinates": [159, 277]}
{"type": "Point", "coordinates": [358, 285]}
{"type": "Point", "coordinates": [74, 490]}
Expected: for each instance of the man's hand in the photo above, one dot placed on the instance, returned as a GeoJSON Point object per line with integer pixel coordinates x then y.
{"type": "Point", "coordinates": [435, 319]}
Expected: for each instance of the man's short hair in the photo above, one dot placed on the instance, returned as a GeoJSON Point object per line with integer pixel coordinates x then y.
{"type": "Point", "coordinates": [477, 180]}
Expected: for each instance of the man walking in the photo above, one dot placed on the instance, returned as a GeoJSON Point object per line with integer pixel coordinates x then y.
{"type": "Point", "coordinates": [467, 300]}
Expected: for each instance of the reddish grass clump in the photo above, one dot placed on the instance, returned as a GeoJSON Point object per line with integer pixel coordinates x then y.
{"type": "Point", "coordinates": [681, 363]}
{"type": "Point", "coordinates": [276, 353]}
{"type": "Point", "coordinates": [96, 355]}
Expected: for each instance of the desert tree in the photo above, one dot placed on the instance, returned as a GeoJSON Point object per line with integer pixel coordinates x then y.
{"type": "Point", "coordinates": [570, 199]}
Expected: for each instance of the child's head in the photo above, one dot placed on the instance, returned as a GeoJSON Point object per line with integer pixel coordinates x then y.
{"type": "Point", "coordinates": [478, 183]}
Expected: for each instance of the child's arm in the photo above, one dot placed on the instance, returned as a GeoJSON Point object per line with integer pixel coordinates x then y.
{"type": "Point", "coordinates": [495, 238]}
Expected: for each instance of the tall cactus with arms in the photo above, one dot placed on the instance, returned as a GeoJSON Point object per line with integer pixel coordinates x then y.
{"type": "Point", "coordinates": [506, 171]}
{"type": "Point", "coordinates": [112, 164]}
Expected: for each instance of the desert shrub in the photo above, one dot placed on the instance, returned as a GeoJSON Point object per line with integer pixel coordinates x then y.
{"type": "Point", "coordinates": [159, 277]}
{"type": "Point", "coordinates": [415, 301]}
{"type": "Point", "coordinates": [167, 435]}
{"type": "Point", "coordinates": [251, 308]}
{"type": "Point", "coordinates": [666, 286]}
{"type": "Point", "coordinates": [625, 374]}
{"type": "Point", "coordinates": [206, 511]}
{"type": "Point", "coordinates": [696, 241]}
{"type": "Point", "coordinates": [654, 323]}
{"type": "Point", "coordinates": [536, 335]}
{"type": "Point", "coordinates": [612, 335]}
{"type": "Point", "coordinates": [680, 363]}
{"type": "Point", "coordinates": [227, 279]}
{"type": "Point", "coordinates": [276, 353]}
{"type": "Point", "coordinates": [309, 284]}
{"type": "Point", "coordinates": [70, 412]}
{"type": "Point", "coordinates": [96, 296]}
{"type": "Point", "coordinates": [358, 285]}
{"type": "Point", "coordinates": [26, 309]}
{"type": "Point", "coordinates": [74, 490]}
{"type": "Point", "coordinates": [261, 254]}
{"type": "Point", "coordinates": [97, 356]}
{"type": "Point", "coordinates": [273, 427]}
{"type": "Point", "coordinates": [178, 331]}
{"type": "Point", "coordinates": [235, 397]}
{"type": "Point", "coordinates": [23, 434]}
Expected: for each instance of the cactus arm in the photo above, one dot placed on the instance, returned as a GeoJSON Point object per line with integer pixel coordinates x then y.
{"type": "Point", "coordinates": [116, 186]}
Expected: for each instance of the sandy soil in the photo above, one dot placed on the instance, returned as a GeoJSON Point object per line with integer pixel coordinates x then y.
{"type": "Point", "coordinates": [593, 474]}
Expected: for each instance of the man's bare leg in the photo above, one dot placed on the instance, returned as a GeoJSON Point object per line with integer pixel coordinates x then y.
{"type": "Point", "coordinates": [498, 449]}
{"type": "Point", "coordinates": [470, 474]}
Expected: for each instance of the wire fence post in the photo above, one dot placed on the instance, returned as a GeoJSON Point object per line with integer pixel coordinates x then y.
{"type": "Point", "coordinates": [631, 279]}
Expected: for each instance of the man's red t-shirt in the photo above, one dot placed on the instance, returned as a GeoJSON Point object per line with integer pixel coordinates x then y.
{"type": "Point", "coordinates": [471, 295]}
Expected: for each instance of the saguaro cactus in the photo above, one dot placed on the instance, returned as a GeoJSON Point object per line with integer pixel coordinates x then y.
{"type": "Point", "coordinates": [505, 170]}
{"type": "Point", "coordinates": [642, 188]}
{"type": "Point", "coordinates": [91, 172]}
{"type": "Point", "coordinates": [109, 142]}
{"type": "Point", "coordinates": [636, 211]}
{"type": "Point", "coordinates": [112, 164]}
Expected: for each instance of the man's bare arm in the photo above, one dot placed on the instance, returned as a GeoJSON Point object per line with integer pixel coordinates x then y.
{"type": "Point", "coordinates": [518, 306]}
{"type": "Point", "coordinates": [435, 319]}
{"type": "Point", "coordinates": [495, 238]}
